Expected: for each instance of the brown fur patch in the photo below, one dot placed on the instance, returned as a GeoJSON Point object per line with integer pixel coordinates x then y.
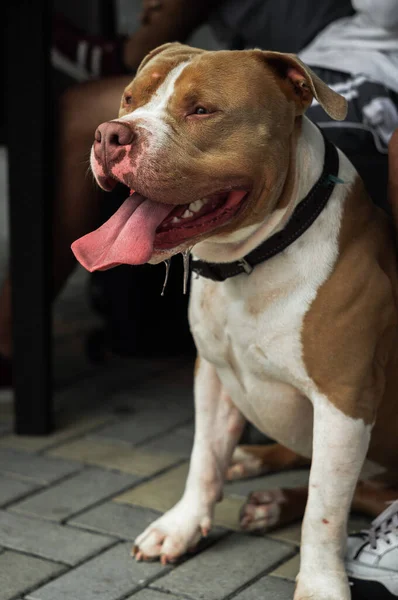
{"type": "Point", "coordinates": [350, 327]}
{"type": "Point", "coordinates": [275, 457]}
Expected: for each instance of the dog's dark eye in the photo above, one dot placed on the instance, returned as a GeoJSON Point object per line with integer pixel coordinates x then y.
{"type": "Point", "coordinates": [128, 99]}
{"type": "Point", "coordinates": [201, 110]}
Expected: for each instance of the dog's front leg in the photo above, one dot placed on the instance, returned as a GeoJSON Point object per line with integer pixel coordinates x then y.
{"type": "Point", "coordinates": [340, 444]}
{"type": "Point", "coordinates": [218, 426]}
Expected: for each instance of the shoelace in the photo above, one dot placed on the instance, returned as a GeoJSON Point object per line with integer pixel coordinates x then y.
{"type": "Point", "coordinates": [382, 526]}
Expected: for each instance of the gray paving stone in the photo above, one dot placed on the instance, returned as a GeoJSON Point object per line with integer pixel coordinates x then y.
{"type": "Point", "coordinates": [178, 442]}
{"type": "Point", "coordinates": [19, 573]}
{"type": "Point", "coordinates": [149, 594]}
{"type": "Point", "coordinates": [286, 479]}
{"type": "Point", "coordinates": [143, 425]}
{"type": "Point", "coordinates": [68, 497]}
{"type": "Point", "coordinates": [5, 428]}
{"type": "Point", "coordinates": [6, 405]}
{"type": "Point", "coordinates": [40, 469]}
{"type": "Point", "coordinates": [13, 489]}
{"type": "Point", "coordinates": [268, 587]}
{"type": "Point", "coordinates": [49, 540]}
{"type": "Point", "coordinates": [224, 567]}
{"type": "Point", "coordinates": [67, 426]}
{"type": "Point", "coordinates": [121, 520]}
{"type": "Point", "coordinates": [109, 576]}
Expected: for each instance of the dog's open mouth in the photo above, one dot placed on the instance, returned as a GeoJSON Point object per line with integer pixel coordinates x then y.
{"type": "Point", "coordinates": [142, 226]}
{"type": "Point", "coordinates": [190, 220]}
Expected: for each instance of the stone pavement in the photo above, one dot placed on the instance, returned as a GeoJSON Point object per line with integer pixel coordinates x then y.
{"type": "Point", "coordinates": [72, 503]}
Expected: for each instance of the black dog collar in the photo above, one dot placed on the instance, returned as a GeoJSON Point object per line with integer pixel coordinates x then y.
{"type": "Point", "coordinates": [302, 218]}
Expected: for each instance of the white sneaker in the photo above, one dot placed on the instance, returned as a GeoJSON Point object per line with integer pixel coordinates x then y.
{"type": "Point", "coordinates": [372, 558]}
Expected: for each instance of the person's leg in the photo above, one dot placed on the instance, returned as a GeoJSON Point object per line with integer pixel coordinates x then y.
{"type": "Point", "coordinates": [82, 109]}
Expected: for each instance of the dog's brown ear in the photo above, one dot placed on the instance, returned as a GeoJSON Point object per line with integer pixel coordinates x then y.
{"type": "Point", "coordinates": [173, 50]}
{"type": "Point", "coordinates": [305, 85]}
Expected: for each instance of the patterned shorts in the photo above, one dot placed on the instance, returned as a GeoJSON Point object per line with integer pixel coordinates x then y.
{"type": "Point", "coordinates": [364, 135]}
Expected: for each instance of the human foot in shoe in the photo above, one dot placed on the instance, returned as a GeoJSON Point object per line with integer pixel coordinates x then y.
{"type": "Point", "coordinates": [372, 558]}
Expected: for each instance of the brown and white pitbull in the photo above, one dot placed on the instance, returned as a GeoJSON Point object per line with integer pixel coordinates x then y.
{"type": "Point", "coordinates": [219, 154]}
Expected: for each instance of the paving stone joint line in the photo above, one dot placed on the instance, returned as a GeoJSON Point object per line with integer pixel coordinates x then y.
{"type": "Point", "coordinates": [148, 586]}
{"type": "Point", "coordinates": [74, 437]}
{"type": "Point", "coordinates": [44, 485]}
{"type": "Point", "coordinates": [41, 487]}
{"type": "Point", "coordinates": [42, 582]}
{"type": "Point", "coordinates": [122, 490]}
{"type": "Point", "coordinates": [66, 566]}
{"type": "Point", "coordinates": [24, 496]}
{"type": "Point", "coordinates": [156, 437]}
{"type": "Point", "coordinates": [294, 552]}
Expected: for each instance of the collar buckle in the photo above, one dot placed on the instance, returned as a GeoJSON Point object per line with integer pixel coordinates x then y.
{"type": "Point", "coordinates": [245, 265]}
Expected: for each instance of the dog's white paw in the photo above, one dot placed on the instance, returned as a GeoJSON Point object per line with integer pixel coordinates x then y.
{"type": "Point", "coordinates": [178, 531]}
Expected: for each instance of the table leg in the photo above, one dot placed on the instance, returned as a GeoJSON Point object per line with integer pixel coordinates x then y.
{"type": "Point", "coordinates": [30, 142]}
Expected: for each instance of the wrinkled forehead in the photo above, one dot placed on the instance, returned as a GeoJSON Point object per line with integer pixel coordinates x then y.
{"type": "Point", "coordinates": [235, 78]}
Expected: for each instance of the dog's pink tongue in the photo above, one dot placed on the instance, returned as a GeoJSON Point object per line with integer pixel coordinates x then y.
{"type": "Point", "coordinates": [126, 238]}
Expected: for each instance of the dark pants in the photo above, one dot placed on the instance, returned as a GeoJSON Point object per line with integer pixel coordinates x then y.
{"type": "Point", "coordinates": [363, 136]}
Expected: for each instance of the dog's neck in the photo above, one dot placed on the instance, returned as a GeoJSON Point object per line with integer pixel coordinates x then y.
{"type": "Point", "coordinates": [307, 164]}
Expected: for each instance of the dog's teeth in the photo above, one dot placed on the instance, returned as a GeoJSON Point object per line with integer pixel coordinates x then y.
{"type": "Point", "coordinates": [187, 214]}
{"type": "Point", "coordinates": [197, 205]}
{"type": "Point", "coordinates": [175, 220]}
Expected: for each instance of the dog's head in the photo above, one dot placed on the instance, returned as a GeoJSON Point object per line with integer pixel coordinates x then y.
{"type": "Point", "coordinates": [202, 141]}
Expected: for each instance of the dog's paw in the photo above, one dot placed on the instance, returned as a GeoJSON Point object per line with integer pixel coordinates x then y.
{"type": "Point", "coordinates": [244, 464]}
{"type": "Point", "coordinates": [262, 510]}
{"type": "Point", "coordinates": [174, 534]}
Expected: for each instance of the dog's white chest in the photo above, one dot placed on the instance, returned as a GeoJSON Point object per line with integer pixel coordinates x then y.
{"type": "Point", "coordinates": [249, 329]}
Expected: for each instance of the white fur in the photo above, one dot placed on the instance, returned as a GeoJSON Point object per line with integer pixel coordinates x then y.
{"type": "Point", "coordinates": [151, 116]}
{"type": "Point", "coordinates": [339, 449]}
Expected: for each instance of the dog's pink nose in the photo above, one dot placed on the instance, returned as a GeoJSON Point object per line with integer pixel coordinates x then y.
{"type": "Point", "coordinates": [111, 137]}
